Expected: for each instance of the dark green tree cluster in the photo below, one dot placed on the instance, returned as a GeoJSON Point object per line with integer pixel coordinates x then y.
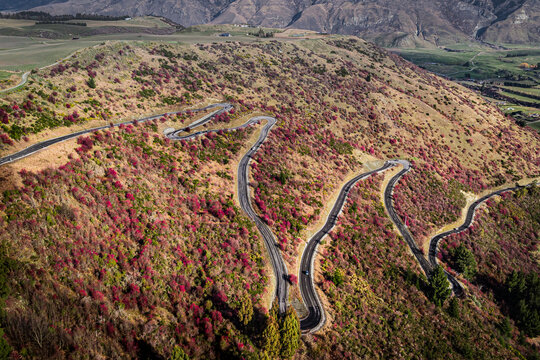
{"type": "Point", "coordinates": [453, 307]}
{"type": "Point", "coordinates": [61, 22]}
{"type": "Point", "coordinates": [263, 34]}
{"type": "Point", "coordinates": [281, 337]}
{"type": "Point", "coordinates": [523, 297]}
{"type": "Point", "coordinates": [290, 334]}
{"type": "Point", "coordinates": [43, 16]}
{"type": "Point", "coordinates": [271, 344]}
{"type": "Point", "coordinates": [464, 261]}
{"type": "Point", "coordinates": [439, 287]}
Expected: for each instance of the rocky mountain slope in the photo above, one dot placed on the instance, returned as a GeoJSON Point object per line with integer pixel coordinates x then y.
{"type": "Point", "coordinates": [388, 22]}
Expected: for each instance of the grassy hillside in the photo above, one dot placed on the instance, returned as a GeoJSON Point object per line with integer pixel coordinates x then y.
{"type": "Point", "coordinates": [154, 264]}
{"type": "Point", "coordinates": [503, 240]}
{"type": "Point", "coordinates": [509, 77]}
{"type": "Point", "coordinates": [124, 268]}
{"type": "Point", "coordinates": [378, 303]}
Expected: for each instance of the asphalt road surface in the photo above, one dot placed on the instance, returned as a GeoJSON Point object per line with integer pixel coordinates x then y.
{"type": "Point", "coordinates": [405, 233]}
{"type": "Point", "coordinates": [45, 144]}
{"type": "Point", "coordinates": [434, 242]}
{"type": "Point", "coordinates": [24, 78]}
{"type": "Point", "coordinates": [278, 264]}
{"type": "Point", "coordinates": [426, 266]}
{"type": "Point", "coordinates": [315, 319]}
{"type": "Point", "coordinates": [280, 270]}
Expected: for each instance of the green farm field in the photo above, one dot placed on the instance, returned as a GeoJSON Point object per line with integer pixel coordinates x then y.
{"type": "Point", "coordinates": [24, 53]}
{"type": "Point", "coordinates": [475, 62]}
{"type": "Point", "coordinates": [535, 91]}
{"type": "Point", "coordinates": [512, 72]}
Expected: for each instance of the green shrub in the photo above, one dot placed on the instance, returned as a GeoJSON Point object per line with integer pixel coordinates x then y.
{"type": "Point", "coordinates": [91, 83]}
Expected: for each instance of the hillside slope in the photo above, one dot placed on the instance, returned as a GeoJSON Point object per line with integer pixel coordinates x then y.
{"type": "Point", "coordinates": [388, 22]}
{"type": "Point", "coordinates": [135, 245]}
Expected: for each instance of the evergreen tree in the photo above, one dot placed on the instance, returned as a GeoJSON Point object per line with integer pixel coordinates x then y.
{"type": "Point", "coordinates": [439, 289]}
{"type": "Point", "coordinates": [464, 261]}
{"type": "Point", "coordinates": [91, 83]}
{"type": "Point", "coordinates": [245, 313]}
{"type": "Point", "coordinates": [270, 338]}
{"type": "Point", "coordinates": [290, 334]}
{"type": "Point", "coordinates": [453, 307]}
{"type": "Point", "coordinates": [524, 299]}
{"type": "Point", "coordinates": [274, 310]}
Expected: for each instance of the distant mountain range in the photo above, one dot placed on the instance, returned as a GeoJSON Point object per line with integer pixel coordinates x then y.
{"type": "Point", "coordinates": [387, 22]}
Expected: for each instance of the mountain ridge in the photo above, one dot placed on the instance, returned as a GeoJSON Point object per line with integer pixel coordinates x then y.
{"type": "Point", "coordinates": [387, 22]}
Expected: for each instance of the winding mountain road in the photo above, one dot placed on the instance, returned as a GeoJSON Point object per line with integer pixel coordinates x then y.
{"type": "Point", "coordinates": [434, 242]}
{"type": "Point", "coordinates": [405, 233]}
{"type": "Point", "coordinates": [426, 266]}
{"type": "Point", "coordinates": [316, 318]}
{"type": "Point", "coordinates": [278, 265]}
{"type": "Point", "coordinates": [280, 270]}
{"type": "Point", "coordinates": [24, 78]}
{"type": "Point", "coordinates": [221, 107]}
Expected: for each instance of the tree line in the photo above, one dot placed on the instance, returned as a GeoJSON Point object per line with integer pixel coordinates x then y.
{"type": "Point", "coordinates": [43, 16]}
{"type": "Point", "coordinates": [61, 22]}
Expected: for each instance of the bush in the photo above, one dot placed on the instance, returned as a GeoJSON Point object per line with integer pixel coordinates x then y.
{"type": "Point", "coordinates": [91, 83]}
{"type": "Point", "coordinates": [5, 349]}
{"type": "Point", "coordinates": [505, 328]}
{"type": "Point", "coordinates": [338, 278]}
{"type": "Point", "coordinates": [178, 354]}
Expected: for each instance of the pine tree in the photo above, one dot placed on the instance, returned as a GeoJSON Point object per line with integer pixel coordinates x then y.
{"type": "Point", "coordinates": [465, 262]}
{"type": "Point", "coordinates": [453, 307]}
{"type": "Point", "coordinates": [290, 334]}
{"type": "Point", "coordinates": [270, 338]}
{"type": "Point", "coordinates": [274, 310]}
{"type": "Point", "coordinates": [245, 313]}
{"type": "Point", "coordinates": [91, 83]}
{"type": "Point", "coordinates": [439, 289]}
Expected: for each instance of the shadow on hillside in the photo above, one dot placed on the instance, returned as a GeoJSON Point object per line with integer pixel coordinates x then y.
{"type": "Point", "coordinates": [417, 280]}
{"type": "Point", "coordinates": [252, 330]}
